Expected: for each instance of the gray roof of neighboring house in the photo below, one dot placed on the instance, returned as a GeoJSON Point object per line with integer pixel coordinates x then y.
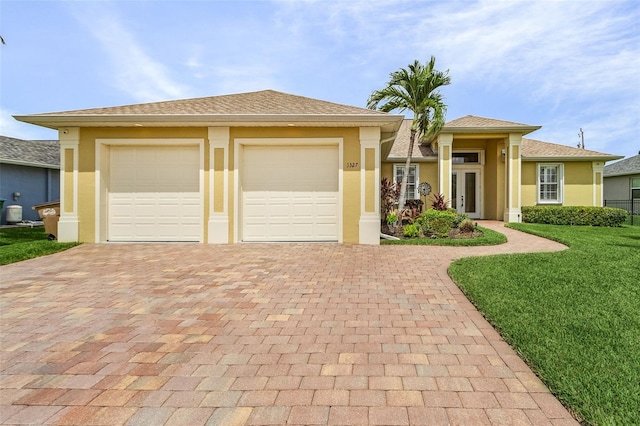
{"type": "Point", "coordinates": [628, 166]}
{"type": "Point", "coordinates": [531, 149]}
{"type": "Point", "coordinates": [34, 153]}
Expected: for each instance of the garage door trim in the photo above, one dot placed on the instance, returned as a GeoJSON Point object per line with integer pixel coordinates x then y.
{"type": "Point", "coordinates": [102, 155]}
{"type": "Point", "coordinates": [240, 142]}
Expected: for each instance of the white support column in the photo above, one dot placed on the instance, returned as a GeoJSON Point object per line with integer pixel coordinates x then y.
{"type": "Point", "coordinates": [445, 146]}
{"type": "Point", "coordinates": [68, 223]}
{"type": "Point", "coordinates": [513, 171]}
{"type": "Point", "coordinates": [369, 225]}
{"type": "Point", "coordinates": [598, 187]}
{"type": "Point", "coordinates": [218, 224]}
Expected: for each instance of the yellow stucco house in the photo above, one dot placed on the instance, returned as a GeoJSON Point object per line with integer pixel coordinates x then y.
{"type": "Point", "coordinates": [271, 166]}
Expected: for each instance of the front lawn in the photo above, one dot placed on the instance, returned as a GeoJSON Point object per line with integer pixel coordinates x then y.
{"type": "Point", "coordinates": [574, 315]}
{"type": "Point", "coordinates": [24, 243]}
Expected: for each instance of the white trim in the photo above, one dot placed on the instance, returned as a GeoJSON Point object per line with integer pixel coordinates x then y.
{"type": "Point", "coordinates": [598, 167]}
{"type": "Point", "coordinates": [68, 224]}
{"type": "Point", "coordinates": [240, 142]}
{"type": "Point", "coordinates": [369, 224]}
{"type": "Point", "coordinates": [218, 225]}
{"type": "Point", "coordinates": [479, 186]}
{"type": "Point", "coordinates": [445, 140]}
{"type": "Point", "coordinates": [100, 179]}
{"type": "Point", "coordinates": [560, 175]}
{"type": "Point", "coordinates": [416, 195]}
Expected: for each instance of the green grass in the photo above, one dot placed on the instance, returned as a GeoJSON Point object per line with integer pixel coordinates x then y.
{"type": "Point", "coordinates": [24, 243]}
{"type": "Point", "coordinates": [489, 238]}
{"type": "Point", "coordinates": [574, 315]}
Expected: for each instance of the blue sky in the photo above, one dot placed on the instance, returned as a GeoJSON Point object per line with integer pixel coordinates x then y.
{"type": "Point", "coordinates": [564, 65]}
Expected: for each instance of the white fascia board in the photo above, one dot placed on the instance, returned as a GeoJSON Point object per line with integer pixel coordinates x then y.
{"type": "Point", "coordinates": [572, 158]}
{"type": "Point", "coordinates": [524, 130]}
{"type": "Point", "coordinates": [387, 122]}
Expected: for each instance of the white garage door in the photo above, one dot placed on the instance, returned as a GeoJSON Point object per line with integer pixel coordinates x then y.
{"type": "Point", "coordinates": [290, 193]}
{"type": "Point", "coordinates": [154, 193]}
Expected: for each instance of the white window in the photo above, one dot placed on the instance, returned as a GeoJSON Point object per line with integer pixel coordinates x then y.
{"type": "Point", "coordinates": [635, 188]}
{"type": "Point", "coordinates": [412, 179]}
{"type": "Point", "coordinates": [550, 182]}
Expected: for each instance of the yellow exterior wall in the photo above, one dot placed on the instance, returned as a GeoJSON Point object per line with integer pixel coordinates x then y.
{"type": "Point", "coordinates": [68, 181]}
{"type": "Point", "coordinates": [369, 198]}
{"type": "Point", "coordinates": [578, 183]}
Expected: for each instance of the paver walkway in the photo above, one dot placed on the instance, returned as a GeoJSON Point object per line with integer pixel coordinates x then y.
{"type": "Point", "coordinates": [188, 334]}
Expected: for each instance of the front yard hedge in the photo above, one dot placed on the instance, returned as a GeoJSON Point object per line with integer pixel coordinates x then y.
{"type": "Point", "coordinates": [574, 215]}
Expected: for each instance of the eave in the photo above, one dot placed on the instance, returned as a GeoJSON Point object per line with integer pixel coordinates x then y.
{"type": "Point", "coordinates": [490, 131]}
{"type": "Point", "coordinates": [574, 158]}
{"type": "Point", "coordinates": [387, 123]}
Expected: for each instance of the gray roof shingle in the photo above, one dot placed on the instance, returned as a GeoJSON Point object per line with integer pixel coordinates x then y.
{"type": "Point", "coordinates": [628, 166]}
{"type": "Point", "coordinates": [36, 153]}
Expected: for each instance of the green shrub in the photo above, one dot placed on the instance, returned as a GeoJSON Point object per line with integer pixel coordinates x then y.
{"type": "Point", "coordinates": [411, 230]}
{"type": "Point", "coordinates": [459, 218]}
{"type": "Point", "coordinates": [574, 215]}
{"type": "Point", "coordinates": [467, 226]}
{"type": "Point", "coordinates": [436, 222]}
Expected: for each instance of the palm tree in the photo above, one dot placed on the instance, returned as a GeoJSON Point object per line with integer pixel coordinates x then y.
{"type": "Point", "coordinates": [414, 89]}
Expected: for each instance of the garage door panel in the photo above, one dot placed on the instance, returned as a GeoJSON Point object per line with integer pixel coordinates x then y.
{"type": "Point", "coordinates": [154, 193]}
{"type": "Point", "coordinates": [290, 193]}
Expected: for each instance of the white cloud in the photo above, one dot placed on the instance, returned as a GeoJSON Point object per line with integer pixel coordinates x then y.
{"type": "Point", "coordinates": [135, 72]}
{"type": "Point", "coordinates": [16, 129]}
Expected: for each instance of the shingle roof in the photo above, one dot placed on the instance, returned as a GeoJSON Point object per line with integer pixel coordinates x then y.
{"type": "Point", "coordinates": [531, 148]}
{"type": "Point", "coordinates": [38, 153]}
{"type": "Point", "coordinates": [628, 166]}
{"type": "Point", "coordinates": [534, 149]}
{"type": "Point", "coordinates": [472, 121]}
{"type": "Point", "coordinates": [261, 102]}
{"type": "Point", "coordinates": [401, 145]}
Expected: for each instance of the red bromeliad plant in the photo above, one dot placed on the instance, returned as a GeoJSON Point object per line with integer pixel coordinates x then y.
{"type": "Point", "coordinates": [439, 202]}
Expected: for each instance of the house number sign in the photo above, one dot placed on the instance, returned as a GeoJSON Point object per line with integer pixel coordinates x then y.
{"type": "Point", "coordinates": [352, 165]}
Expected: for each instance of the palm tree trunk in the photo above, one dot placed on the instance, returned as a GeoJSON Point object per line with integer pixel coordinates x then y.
{"type": "Point", "coordinates": [405, 176]}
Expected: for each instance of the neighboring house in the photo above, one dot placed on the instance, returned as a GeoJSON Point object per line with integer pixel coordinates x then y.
{"type": "Point", "coordinates": [31, 169]}
{"type": "Point", "coordinates": [622, 179]}
{"type": "Point", "coordinates": [270, 166]}
{"type": "Point", "coordinates": [488, 169]}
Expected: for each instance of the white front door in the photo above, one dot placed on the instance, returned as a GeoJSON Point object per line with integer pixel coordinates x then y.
{"type": "Point", "coordinates": [465, 192]}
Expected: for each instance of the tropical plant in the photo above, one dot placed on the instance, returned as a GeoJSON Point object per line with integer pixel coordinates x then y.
{"type": "Point", "coordinates": [439, 202]}
{"type": "Point", "coordinates": [436, 223]}
{"type": "Point", "coordinates": [389, 193]}
{"type": "Point", "coordinates": [411, 231]}
{"type": "Point", "coordinates": [392, 218]}
{"type": "Point", "coordinates": [467, 226]}
{"type": "Point", "coordinates": [414, 88]}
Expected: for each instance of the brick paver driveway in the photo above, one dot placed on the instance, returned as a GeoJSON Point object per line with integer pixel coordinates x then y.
{"type": "Point", "coordinates": [258, 334]}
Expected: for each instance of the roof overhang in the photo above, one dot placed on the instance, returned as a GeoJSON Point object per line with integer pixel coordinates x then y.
{"type": "Point", "coordinates": [489, 131]}
{"type": "Point", "coordinates": [29, 164]}
{"type": "Point", "coordinates": [574, 158]}
{"type": "Point", "coordinates": [389, 123]}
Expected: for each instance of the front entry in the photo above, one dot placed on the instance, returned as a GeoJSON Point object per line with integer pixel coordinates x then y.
{"type": "Point", "coordinates": [465, 191]}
